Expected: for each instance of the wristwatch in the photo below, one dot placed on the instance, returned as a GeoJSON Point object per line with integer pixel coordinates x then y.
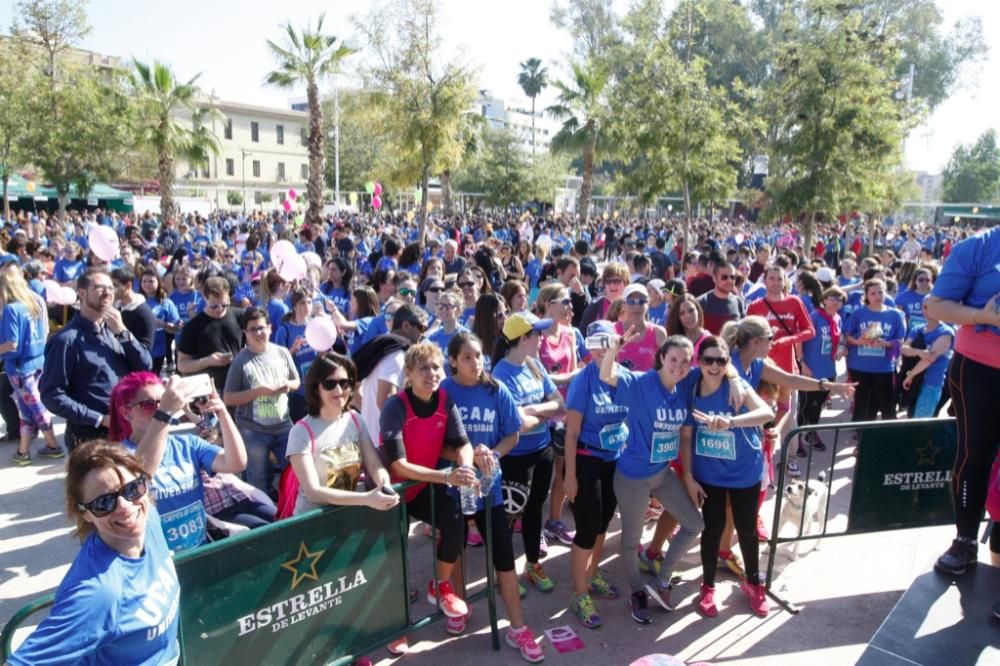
{"type": "Point", "coordinates": [162, 416]}
{"type": "Point", "coordinates": [123, 336]}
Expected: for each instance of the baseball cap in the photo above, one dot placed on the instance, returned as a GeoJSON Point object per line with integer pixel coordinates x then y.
{"type": "Point", "coordinates": [522, 323]}
{"type": "Point", "coordinates": [431, 283]}
{"type": "Point", "coordinates": [825, 274]}
{"type": "Point", "coordinates": [601, 327]}
{"type": "Point", "coordinates": [635, 288]}
{"type": "Point", "coordinates": [657, 285]}
{"type": "Point", "coordinates": [675, 287]}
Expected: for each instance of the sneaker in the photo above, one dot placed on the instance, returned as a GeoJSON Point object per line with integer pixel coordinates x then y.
{"type": "Point", "coordinates": [586, 612]}
{"type": "Point", "coordinates": [600, 587]}
{"type": "Point", "coordinates": [543, 545]}
{"type": "Point", "coordinates": [961, 555]}
{"type": "Point", "coordinates": [653, 513]}
{"type": "Point", "coordinates": [516, 527]}
{"type": "Point", "coordinates": [801, 451]}
{"type": "Point", "coordinates": [556, 530]}
{"type": "Point", "coordinates": [398, 647]}
{"type": "Point", "coordinates": [793, 468]}
{"type": "Point", "coordinates": [524, 641]}
{"type": "Point", "coordinates": [522, 591]}
{"type": "Point", "coordinates": [21, 459]}
{"type": "Point", "coordinates": [706, 601]}
{"type": "Point", "coordinates": [52, 454]}
{"type": "Point", "coordinates": [638, 607]}
{"type": "Point", "coordinates": [456, 625]}
{"type": "Point", "coordinates": [757, 596]}
{"type": "Point", "coordinates": [450, 604]}
{"type": "Point", "coordinates": [735, 564]}
{"type": "Point", "coordinates": [762, 533]}
{"type": "Point", "coordinates": [650, 565]}
{"type": "Point", "coordinates": [535, 575]}
{"type": "Point", "coordinates": [817, 443]}
{"type": "Point", "coordinates": [660, 595]}
{"type": "Point", "coordinates": [473, 537]}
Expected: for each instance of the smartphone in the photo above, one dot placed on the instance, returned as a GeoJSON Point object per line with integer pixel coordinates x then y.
{"type": "Point", "coordinates": [201, 386]}
{"type": "Point", "coordinates": [598, 342]}
{"type": "Point", "coordinates": [388, 490]}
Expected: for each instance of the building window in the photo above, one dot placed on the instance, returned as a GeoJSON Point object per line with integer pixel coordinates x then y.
{"type": "Point", "coordinates": [230, 167]}
{"type": "Point", "coordinates": [256, 168]}
{"type": "Point", "coordinates": [280, 132]}
{"type": "Point", "coordinates": [205, 172]}
{"type": "Point", "coordinates": [229, 128]}
{"type": "Point", "coordinates": [258, 197]}
{"type": "Point", "coordinates": [304, 136]}
{"type": "Point", "coordinates": [305, 172]}
{"type": "Point", "coordinates": [281, 170]}
{"type": "Point", "coordinates": [255, 131]}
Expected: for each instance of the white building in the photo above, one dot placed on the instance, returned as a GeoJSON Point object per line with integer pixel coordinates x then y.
{"type": "Point", "coordinates": [929, 185]}
{"type": "Point", "coordinates": [517, 119]}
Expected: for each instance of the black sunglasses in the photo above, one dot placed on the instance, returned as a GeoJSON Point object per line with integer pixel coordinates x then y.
{"type": "Point", "coordinates": [714, 360]}
{"type": "Point", "coordinates": [417, 325]}
{"type": "Point", "coordinates": [331, 383]}
{"type": "Point", "coordinates": [466, 285]}
{"type": "Point", "coordinates": [636, 301]}
{"type": "Point", "coordinates": [102, 505]}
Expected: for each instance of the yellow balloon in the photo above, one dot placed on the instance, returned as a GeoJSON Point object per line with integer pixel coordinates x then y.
{"type": "Point", "coordinates": [605, 215]}
{"type": "Point", "coordinates": [31, 186]}
{"type": "Point", "coordinates": [353, 198]}
{"type": "Point", "coordinates": [616, 215]}
{"type": "Point", "coordinates": [430, 206]}
{"type": "Point", "coordinates": [410, 216]}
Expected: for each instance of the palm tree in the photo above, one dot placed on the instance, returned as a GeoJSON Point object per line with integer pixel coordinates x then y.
{"type": "Point", "coordinates": [161, 102]}
{"type": "Point", "coordinates": [533, 79]}
{"type": "Point", "coordinates": [582, 109]}
{"type": "Point", "coordinates": [308, 56]}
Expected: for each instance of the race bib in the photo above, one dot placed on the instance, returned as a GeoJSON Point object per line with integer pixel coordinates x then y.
{"type": "Point", "coordinates": [876, 352]}
{"type": "Point", "coordinates": [720, 444]}
{"type": "Point", "coordinates": [613, 437]}
{"type": "Point", "coordinates": [665, 447]}
{"type": "Point", "coordinates": [184, 528]}
{"type": "Point", "coordinates": [916, 321]}
{"type": "Point", "coordinates": [826, 347]}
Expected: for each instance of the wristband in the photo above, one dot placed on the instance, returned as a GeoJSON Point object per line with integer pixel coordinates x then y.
{"type": "Point", "coordinates": [162, 416]}
{"type": "Point", "coordinates": [447, 476]}
{"type": "Point", "coordinates": [820, 383]}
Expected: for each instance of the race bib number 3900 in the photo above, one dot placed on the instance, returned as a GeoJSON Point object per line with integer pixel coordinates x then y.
{"type": "Point", "coordinates": [665, 447]}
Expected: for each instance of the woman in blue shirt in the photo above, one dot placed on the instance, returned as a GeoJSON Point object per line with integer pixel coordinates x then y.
{"type": "Point", "coordinates": [68, 267]}
{"type": "Point", "coordinates": [819, 359]}
{"type": "Point", "coordinates": [168, 319]}
{"type": "Point", "coordinates": [273, 290]}
{"type": "Point", "coordinates": [658, 402]}
{"type": "Point", "coordinates": [934, 354]}
{"type": "Point", "coordinates": [874, 334]}
{"type": "Point", "coordinates": [337, 287]}
{"type": "Point", "coordinates": [527, 469]}
{"type": "Point", "coordinates": [291, 335]}
{"type": "Point", "coordinates": [911, 300]}
{"type": "Point", "coordinates": [595, 435]}
{"type": "Point", "coordinates": [727, 463]}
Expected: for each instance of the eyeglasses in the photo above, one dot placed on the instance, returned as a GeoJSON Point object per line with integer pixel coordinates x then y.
{"type": "Point", "coordinates": [435, 290]}
{"type": "Point", "coordinates": [446, 306]}
{"type": "Point", "coordinates": [105, 504]}
{"type": "Point", "coordinates": [217, 306]}
{"type": "Point", "coordinates": [561, 301]}
{"type": "Point", "coordinates": [230, 257]}
{"type": "Point", "coordinates": [725, 276]}
{"type": "Point", "coordinates": [636, 301]}
{"type": "Point", "coordinates": [417, 325]}
{"type": "Point", "coordinates": [611, 281]}
{"type": "Point", "coordinates": [257, 330]}
{"type": "Point", "coordinates": [102, 287]}
{"type": "Point", "coordinates": [331, 383]}
{"type": "Point", "coordinates": [466, 285]}
{"type": "Point", "coordinates": [923, 279]}
{"type": "Point", "coordinates": [714, 360]}
{"type": "Point", "coordinates": [406, 291]}
{"type": "Point", "coordinates": [147, 405]}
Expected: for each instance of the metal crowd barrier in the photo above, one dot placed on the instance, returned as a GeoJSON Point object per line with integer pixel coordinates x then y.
{"type": "Point", "coordinates": [321, 588]}
{"type": "Point", "coordinates": [901, 480]}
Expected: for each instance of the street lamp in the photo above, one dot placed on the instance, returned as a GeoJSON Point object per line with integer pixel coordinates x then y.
{"type": "Point", "coordinates": [243, 169]}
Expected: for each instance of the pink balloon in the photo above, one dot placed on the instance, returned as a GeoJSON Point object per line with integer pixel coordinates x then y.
{"type": "Point", "coordinates": [292, 268]}
{"type": "Point", "coordinates": [287, 205]}
{"type": "Point", "coordinates": [292, 194]}
{"type": "Point", "coordinates": [103, 243]}
{"type": "Point", "coordinates": [376, 202]}
{"type": "Point", "coordinates": [378, 189]}
{"type": "Point", "coordinates": [740, 238]}
{"type": "Point", "coordinates": [312, 259]}
{"type": "Point", "coordinates": [281, 251]}
{"type": "Point", "coordinates": [321, 333]}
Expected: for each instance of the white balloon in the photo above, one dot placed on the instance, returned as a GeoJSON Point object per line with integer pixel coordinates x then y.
{"type": "Point", "coordinates": [103, 242]}
{"type": "Point", "coordinates": [281, 251]}
{"type": "Point", "coordinates": [312, 259]}
{"type": "Point", "coordinates": [292, 268]}
{"type": "Point", "coordinates": [321, 333]}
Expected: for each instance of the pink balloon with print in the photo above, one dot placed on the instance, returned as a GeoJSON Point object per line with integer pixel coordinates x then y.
{"type": "Point", "coordinates": [321, 333]}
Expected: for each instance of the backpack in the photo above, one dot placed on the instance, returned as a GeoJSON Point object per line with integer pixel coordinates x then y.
{"type": "Point", "coordinates": [288, 483]}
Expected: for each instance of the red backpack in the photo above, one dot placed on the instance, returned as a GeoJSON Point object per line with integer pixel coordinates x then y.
{"type": "Point", "coordinates": [288, 483]}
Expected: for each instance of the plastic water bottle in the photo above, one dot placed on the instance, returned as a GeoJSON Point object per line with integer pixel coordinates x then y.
{"type": "Point", "coordinates": [469, 497]}
{"type": "Point", "coordinates": [489, 478]}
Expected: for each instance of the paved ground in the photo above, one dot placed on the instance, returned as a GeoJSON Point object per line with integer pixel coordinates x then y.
{"type": "Point", "coordinates": [846, 586]}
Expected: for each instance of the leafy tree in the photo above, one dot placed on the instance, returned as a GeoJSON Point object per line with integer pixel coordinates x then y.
{"type": "Point", "coordinates": [363, 143]}
{"type": "Point", "coordinates": [591, 23]}
{"type": "Point", "coordinates": [424, 99]}
{"type": "Point", "coordinates": [307, 56]}
{"type": "Point", "coordinates": [15, 89]}
{"type": "Point", "coordinates": [53, 26]}
{"type": "Point", "coordinates": [583, 109]}
{"type": "Point", "coordinates": [533, 79]}
{"type": "Point", "coordinates": [973, 172]}
{"type": "Point", "coordinates": [162, 102]}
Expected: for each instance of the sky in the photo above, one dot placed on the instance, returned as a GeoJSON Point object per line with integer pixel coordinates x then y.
{"type": "Point", "coordinates": [224, 40]}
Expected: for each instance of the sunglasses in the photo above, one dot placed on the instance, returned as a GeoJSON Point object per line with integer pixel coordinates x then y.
{"type": "Point", "coordinates": [611, 281]}
{"type": "Point", "coordinates": [435, 290]}
{"type": "Point", "coordinates": [563, 301]}
{"type": "Point", "coordinates": [330, 384]}
{"type": "Point", "coordinates": [257, 330]}
{"type": "Point", "coordinates": [217, 306]}
{"type": "Point", "coordinates": [725, 277]}
{"type": "Point", "coordinates": [417, 325]}
{"type": "Point", "coordinates": [105, 504]}
{"type": "Point", "coordinates": [446, 306]}
{"type": "Point", "coordinates": [406, 291]}
{"type": "Point", "coordinates": [636, 301]}
{"type": "Point", "coordinates": [466, 285]}
{"type": "Point", "coordinates": [923, 280]}
{"type": "Point", "coordinates": [148, 405]}
{"type": "Point", "coordinates": [714, 360]}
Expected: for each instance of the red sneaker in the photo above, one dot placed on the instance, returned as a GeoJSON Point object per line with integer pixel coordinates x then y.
{"type": "Point", "coordinates": [757, 596]}
{"type": "Point", "coordinates": [450, 604]}
{"type": "Point", "coordinates": [398, 647]}
{"type": "Point", "coordinates": [456, 625]}
{"type": "Point", "coordinates": [706, 601]}
{"type": "Point", "coordinates": [525, 642]}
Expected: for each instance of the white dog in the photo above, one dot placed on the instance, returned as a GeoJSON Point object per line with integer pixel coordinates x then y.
{"type": "Point", "coordinates": [797, 503]}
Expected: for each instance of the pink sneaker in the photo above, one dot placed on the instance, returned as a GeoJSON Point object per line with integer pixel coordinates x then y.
{"type": "Point", "coordinates": [706, 601]}
{"type": "Point", "coordinates": [456, 625]}
{"type": "Point", "coordinates": [757, 596]}
{"type": "Point", "coordinates": [398, 647]}
{"type": "Point", "coordinates": [473, 537]}
{"type": "Point", "coordinates": [524, 641]}
{"type": "Point", "coordinates": [450, 604]}
{"type": "Point", "coordinates": [516, 527]}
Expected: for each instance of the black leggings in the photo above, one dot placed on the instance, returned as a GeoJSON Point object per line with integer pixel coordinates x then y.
{"type": "Point", "coordinates": [744, 503]}
{"type": "Point", "coordinates": [526, 481]}
{"type": "Point", "coordinates": [503, 540]}
{"type": "Point", "coordinates": [974, 391]}
{"type": "Point", "coordinates": [874, 395]}
{"type": "Point", "coordinates": [811, 405]}
{"type": "Point", "coordinates": [595, 502]}
{"type": "Point", "coordinates": [448, 517]}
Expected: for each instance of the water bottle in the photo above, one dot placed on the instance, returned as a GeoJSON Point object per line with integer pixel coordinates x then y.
{"type": "Point", "coordinates": [489, 478]}
{"type": "Point", "coordinates": [469, 497]}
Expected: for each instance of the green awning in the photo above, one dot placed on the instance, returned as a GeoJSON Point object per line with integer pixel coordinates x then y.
{"type": "Point", "coordinates": [17, 188]}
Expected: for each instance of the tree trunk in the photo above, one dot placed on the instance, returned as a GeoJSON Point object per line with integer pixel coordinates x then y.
{"type": "Point", "coordinates": [166, 173]}
{"type": "Point", "coordinates": [314, 214]}
{"type": "Point", "coordinates": [686, 239]}
{"type": "Point", "coordinates": [424, 181]}
{"type": "Point", "coordinates": [446, 202]}
{"type": "Point", "coordinates": [63, 202]}
{"type": "Point", "coordinates": [532, 125]}
{"type": "Point", "coordinates": [6, 204]}
{"type": "Point", "coordinates": [588, 182]}
{"type": "Point", "coordinates": [872, 227]}
{"type": "Point", "coordinates": [809, 233]}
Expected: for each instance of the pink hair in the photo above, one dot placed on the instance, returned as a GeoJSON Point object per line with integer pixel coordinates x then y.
{"type": "Point", "coordinates": [121, 395]}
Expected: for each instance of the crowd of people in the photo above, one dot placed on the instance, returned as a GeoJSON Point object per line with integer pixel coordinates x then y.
{"type": "Point", "coordinates": [529, 362]}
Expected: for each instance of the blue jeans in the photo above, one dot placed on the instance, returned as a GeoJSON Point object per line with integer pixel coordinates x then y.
{"type": "Point", "coordinates": [927, 402]}
{"type": "Point", "coordinates": [259, 447]}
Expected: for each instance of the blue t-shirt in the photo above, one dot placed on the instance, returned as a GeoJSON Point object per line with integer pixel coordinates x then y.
{"type": "Point", "coordinates": [245, 290]}
{"type": "Point", "coordinates": [886, 325]}
{"type": "Point", "coordinates": [377, 325]}
{"type": "Point", "coordinates": [442, 338]}
{"type": "Point", "coordinates": [467, 317]}
{"type": "Point", "coordinates": [341, 297]}
{"type": "Point", "coordinates": [603, 431]}
{"type": "Point", "coordinates": [66, 270]}
{"type": "Point", "coordinates": [934, 375]}
{"type": "Point", "coordinates": [533, 272]}
{"type": "Point", "coordinates": [818, 351]}
{"type": "Point", "coordinates": [751, 376]}
{"type": "Point", "coordinates": [188, 305]}
{"type": "Point", "coordinates": [286, 335]}
{"type": "Point", "coordinates": [655, 418]}
{"type": "Point", "coordinates": [276, 309]}
{"type": "Point", "coordinates": [855, 300]}
{"type": "Point", "coordinates": [911, 303]}
{"type": "Point", "coordinates": [726, 458]}
{"type": "Point", "coordinates": [527, 389]}
{"type": "Point", "coordinates": [28, 335]}
{"type": "Point", "coordinates": [111, 609]}
{"type": "Point", "coordinates": [971, 275]}
{"type": "Point", "coordinates": [658, 314]}
{"type": "Point", "coordinates": [489, 415]}
{"type": "Point", "coordinates": [180, 495]}
{"type": "Point", "coordinates": [164, 310]}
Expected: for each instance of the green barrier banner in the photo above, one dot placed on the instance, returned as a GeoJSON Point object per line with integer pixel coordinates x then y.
{"type": "Point", "coordinates": [903, 477]}
{"type": "Point", "coordinates": [304, 591]}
